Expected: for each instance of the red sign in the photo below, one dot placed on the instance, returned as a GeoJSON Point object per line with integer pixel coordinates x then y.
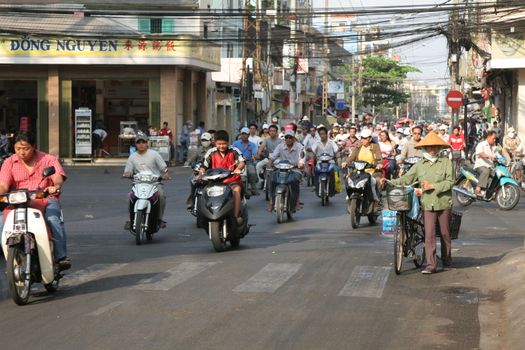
{"type": "Point", "coordinates": [454, 99]}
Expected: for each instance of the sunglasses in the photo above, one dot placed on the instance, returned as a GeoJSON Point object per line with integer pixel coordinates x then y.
{"type": "Point", "coordinates": [288, 137]}
{"type": "Point", "coordinates": [141, 141]}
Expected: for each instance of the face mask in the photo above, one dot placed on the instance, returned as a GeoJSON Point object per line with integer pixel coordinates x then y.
{"type": "Point", "coordinates": [429, 157]}
{"type": "Point", "coordinates": [206, 143]}
{"type": "Point", "coordinates": [511, 135]}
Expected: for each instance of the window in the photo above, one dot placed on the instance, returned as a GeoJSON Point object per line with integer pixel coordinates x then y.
{"type": "Point", "coordinates": [156, 25]}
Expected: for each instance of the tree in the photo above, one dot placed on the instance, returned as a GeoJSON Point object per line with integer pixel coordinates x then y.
{"type": "Point", "coordinates": [380, 82]}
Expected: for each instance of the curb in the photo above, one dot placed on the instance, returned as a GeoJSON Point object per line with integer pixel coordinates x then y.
{"type": "Point", "coordinates": [511, 272]}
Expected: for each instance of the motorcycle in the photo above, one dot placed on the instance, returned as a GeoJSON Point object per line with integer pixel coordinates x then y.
{"type": "Point", "coordinates": [215, 211]}
{"type": "Point", "coordinates": [27, 245]}
{"type": "Point", "coordinates": [309, 168]}
{"type": "Point", "coordinates": [360, 198]}
{"type": "Point", "coordinates": [502, 187]}
{"type": "Point", "coordinates": [198, 187]}
{"type": "Point", "coordinates": [324, 169]}
{"type": "Point", "coordinates": [144, 206]}
{"type": "Point", "coordinates": [407, 164]}
{"type": "Point", "coordinates": [284, 200]}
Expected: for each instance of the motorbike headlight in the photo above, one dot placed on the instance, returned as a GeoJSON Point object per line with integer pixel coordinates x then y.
{"type": "Point", "coordinates": [361, 184]}
{"type": "Point", "coordinates": [215, 191]}
{"type": "Point", "coordinates": [17, 197]}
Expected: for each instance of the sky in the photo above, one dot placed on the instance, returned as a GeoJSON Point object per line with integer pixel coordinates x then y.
{"type": "Point", "coordinates": [429, 56]}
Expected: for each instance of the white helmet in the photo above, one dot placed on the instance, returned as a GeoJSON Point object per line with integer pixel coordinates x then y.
{"type": "Point", "coordinates": [206, 136]}
{"type": "Point", "coordinates": [366, 133]}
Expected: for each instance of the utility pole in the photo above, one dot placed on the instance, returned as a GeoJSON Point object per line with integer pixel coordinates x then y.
{"type": "Point", "coordinates": [293, 44]}
{"type": "Point", "coordinates": [353, 88]}
{"type": "Point", "coordinates": [326, 60]}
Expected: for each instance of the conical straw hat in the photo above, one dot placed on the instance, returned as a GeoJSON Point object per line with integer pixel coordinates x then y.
{"type": "Point", "coordinates": [432, 139]}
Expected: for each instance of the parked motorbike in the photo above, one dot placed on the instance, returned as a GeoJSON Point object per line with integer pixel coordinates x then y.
{"type": "Point", "coordinates": [502, 187]}
{"type": "Point", "coordinates": [144, 206]}
{"type": "Point", "coordinates": [284, 201]}
{"type": "Point", "coordinates": [360, 198]}
{"type": "Point", "coordinates": [215, 211]}
{"type": "Point", "coordinates": [324, 169]}
{"type": "Point", "coordinates": [27, 244]}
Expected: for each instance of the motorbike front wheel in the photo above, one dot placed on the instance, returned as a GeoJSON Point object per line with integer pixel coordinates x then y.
{"type": "Point", "coordinates": [215, 233]}
{"type": "Point", "coordinates": [324, 193]}
{"type": "Point", "coordinates": [140, 227]}
{"type": "Point", "coordinates": [355, 216]}
{"type": "Point", "coordinates": [279, 207]}
{"type": "Point", "coordinates": [19, 286]}
{"type": "Point", "coordinates": [463, 200]}
{"type": "Point", "coordinates": [508, 196]}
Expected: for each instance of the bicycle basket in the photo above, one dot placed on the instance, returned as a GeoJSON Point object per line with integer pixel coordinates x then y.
{"type": "Point", "coordinates": [454, 225]}
{"type": "Point", "coordinates": [399, 197]}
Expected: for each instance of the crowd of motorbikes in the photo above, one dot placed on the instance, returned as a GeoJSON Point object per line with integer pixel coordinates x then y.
{"type": "Point", "coordinates": [28, 249]}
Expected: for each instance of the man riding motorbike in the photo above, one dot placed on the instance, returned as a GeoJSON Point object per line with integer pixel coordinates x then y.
{"type": "Point", "coordinates": [147, 160]}
{"type": "Point", "coordinates": [248, 150]}
{"type": "Point", "coordinates": [223, 156]}
{"type": "Point", "coordinates": [268, 146]}
{"type": "Point", "coordinates": [292, 151]}
{"type": "Point", "coordinates": [371, 153]}
{"type": "Point", "coordinates": [486, 152]}
{"type": "Point", "coordinates": [410, 148]}
{"type": "Point", "coordinates": [199, 156]}
{"type": "Point", "coordinates": [23, 170]}
{"type": "Point", "coordinates": [329, 147]}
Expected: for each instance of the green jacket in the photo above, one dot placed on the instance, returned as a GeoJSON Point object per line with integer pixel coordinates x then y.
{"type": "Point", "coordinates": [438, 174]}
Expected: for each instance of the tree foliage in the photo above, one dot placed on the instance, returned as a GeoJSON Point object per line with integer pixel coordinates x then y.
{"type": "Point", "coordinates": [380, 81]}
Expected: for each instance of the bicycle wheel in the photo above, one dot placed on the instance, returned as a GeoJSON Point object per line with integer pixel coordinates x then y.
{"type": "Point", "coordinates": [419, 249]}
{"type": "Point", "coordinates": [399, 241]}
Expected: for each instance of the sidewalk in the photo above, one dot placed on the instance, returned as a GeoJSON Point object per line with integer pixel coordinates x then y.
{"type": "Point", "coordinates": [509, 274]}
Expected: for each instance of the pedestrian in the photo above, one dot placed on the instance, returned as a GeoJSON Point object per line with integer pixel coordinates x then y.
{"type": "Point", "coordinates": [99, 135]}
{"type": "Point", "coordinates": [434, 173]}
{"type": "Point", "coordinates": [166, 131]}
{"type": "Point", "coordinates": [184, 139]}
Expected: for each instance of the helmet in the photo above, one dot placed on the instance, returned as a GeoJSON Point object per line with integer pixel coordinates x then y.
{"type": "Point", "coordinates": [206, 136]}
{"type": "Point", "coordinates": [306, 118]}
{"type": "Point", "coordinates": [366, 133]}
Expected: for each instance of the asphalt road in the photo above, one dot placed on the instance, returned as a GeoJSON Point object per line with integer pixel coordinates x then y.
{"type": "Point", "coordinates": [313, 283]}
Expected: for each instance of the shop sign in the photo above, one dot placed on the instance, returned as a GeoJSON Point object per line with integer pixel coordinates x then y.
{"type": "Point", "coordinates": [110, 48]}
{"type": "Point", "coordinates": [336, 87]}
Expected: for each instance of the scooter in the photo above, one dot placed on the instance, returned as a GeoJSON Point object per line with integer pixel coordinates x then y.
{"type": "Point", "coordinates": [324, 169]}
{"type": "Point", "coordinates": [309, 168]}
{"type": "Point", "coordinates": [27, 244]}
{"type": "Point", "coordinates": [198, 187]}
{"type": "Point", "coordinates": [284, 201]}
{"type": "Point", "coordinates": [144, 206]}
{"type": "Point", "coordinates": [360, 198]}
{"type": "Point", "coordinates": [215, 211]}
{"type": "Point", "coordinates": [502, 187]}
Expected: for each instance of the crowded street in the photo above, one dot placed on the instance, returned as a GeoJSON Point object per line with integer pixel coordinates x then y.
{"type": "Point", "coordinates": [311, 283]}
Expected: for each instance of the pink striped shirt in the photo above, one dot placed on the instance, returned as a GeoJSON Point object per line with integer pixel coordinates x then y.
{"type": "Point", "coordinates": [14, 175]}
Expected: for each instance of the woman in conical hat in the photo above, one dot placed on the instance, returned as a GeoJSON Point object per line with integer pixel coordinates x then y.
{"type": "Point", "coordinates": [434, 173]}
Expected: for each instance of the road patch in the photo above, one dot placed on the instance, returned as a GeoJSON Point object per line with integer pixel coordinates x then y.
{"type": "Point", "coordinates": [366, 282]}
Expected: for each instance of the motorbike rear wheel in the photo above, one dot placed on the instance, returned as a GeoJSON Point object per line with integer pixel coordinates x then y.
{"type": "Point", "coordinates": [508, 196]}
{"type": "Point", "coordinates": [216, 238]}
{"type": "Point", "coordinates": [324, 193]}
{"type": "Point", "coordinates": [355, 216]}
{"type": "Point", "coordinates": [19, 287]}
{"type": "Point", "coordinates": [279, 207]}
{"type": "Point", "coordinates": [463, 200]}
{"type": "Point", "coordinates": [140, 227]}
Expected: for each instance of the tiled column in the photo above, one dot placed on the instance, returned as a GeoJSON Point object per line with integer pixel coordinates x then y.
{"type": "Point", "coordinates": [53, 89]}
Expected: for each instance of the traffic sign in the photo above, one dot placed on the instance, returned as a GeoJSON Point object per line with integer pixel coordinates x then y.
{"type": "Point", "coordinates": [454, 98]}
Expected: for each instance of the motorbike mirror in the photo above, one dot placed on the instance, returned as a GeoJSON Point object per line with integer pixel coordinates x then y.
{"type": "Point", "coordinates": [48, 171]}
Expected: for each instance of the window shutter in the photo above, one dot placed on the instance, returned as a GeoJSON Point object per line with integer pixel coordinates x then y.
{"type": "Point", "coordinates": [168, 25]}
{"type": "Point", "coordinates": [144, 25]}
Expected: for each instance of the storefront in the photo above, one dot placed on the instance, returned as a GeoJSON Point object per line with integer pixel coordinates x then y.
{"type": "Point", "coordinates": [124, 82]}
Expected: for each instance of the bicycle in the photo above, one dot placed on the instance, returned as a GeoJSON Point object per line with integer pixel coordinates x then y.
{"type": "Point", "coordinates": [458, 161]}
{"type": "Point", "coordinates": [409, 237]}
